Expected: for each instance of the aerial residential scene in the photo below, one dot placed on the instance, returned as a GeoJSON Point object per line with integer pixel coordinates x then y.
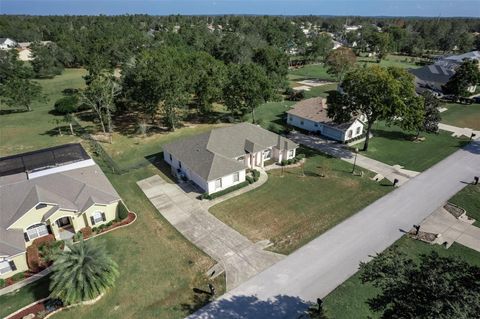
{"type": "Point", "coordinates": [240, 159]}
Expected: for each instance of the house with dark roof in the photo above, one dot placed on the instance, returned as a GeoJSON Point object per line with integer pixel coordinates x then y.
{"type": "Point", "coordinates": [58, 190]}
{"type": "Point", "coordinates": [311, 115]}
{"type": "Point", "coordinates": [218, 159]}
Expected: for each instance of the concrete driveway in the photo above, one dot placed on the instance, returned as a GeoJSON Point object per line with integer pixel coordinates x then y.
{"type": "Point", "coordinates": [240, 258]}
{"type": "Point", "coordinates": [317, 268]}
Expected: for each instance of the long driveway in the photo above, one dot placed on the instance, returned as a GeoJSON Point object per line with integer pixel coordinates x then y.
{"type": "Point", "coordinates": [239, 257]}
{"type": "Point", "coordinates": [323, 264]}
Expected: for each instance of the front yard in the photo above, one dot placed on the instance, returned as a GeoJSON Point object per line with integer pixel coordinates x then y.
{"type": "Point", "coordinates": [462, 115]}
{"type": "Point", "coordinates": [392, 146]}
{"type": "Point", "coordinates": [292, 210]}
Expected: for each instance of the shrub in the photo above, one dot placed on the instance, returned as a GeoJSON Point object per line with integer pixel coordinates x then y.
{"type": "Point", "coordinates": [18, 277]}
{"type": "Point", "coordinates": [86, 232]}
{"type": "Point", "coordinates": [2, 283]}
{"type": "Point", "coordinates": [49, 250]}
{"type": "Point", "coordinates": [122, 210]}
{"type": "Point", "coordinates": [67, 104]}
{"type": "Point", "coordinates": [228, 190]}
{"type": "Point", "coordinates": [110, 223]}
{"type": "Point", "coordinates": [205, 196]}
{"type": "Point", "coordinates": [296, 95]}
{"type": "Point", "coordinates": [300, 156]}
{"type": "Point", "coordinates": [249, 179]}
{"type": "Point", "coordinates": [284, 163]}
{"type": "Point", "coordinates": [78, 236]}
{"type": "Point", "coordinates": [94, 229]}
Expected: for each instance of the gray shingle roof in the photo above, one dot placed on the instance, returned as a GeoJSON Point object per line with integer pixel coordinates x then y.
{"type": "Point", "coordinates": [212, 155]}
{"type": "Point", "coordinates": [76, 190]}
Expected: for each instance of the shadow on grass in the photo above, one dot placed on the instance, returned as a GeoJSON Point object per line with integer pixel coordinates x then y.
{"type": "Point", "coordinates": [157, 161]}
{"type": "Point", "coordinates": [12, 111]}
{"type": "Point", "coordinates": [248, 307]}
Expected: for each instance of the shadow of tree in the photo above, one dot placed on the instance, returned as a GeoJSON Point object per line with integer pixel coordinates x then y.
{"type": "Point", "coordinates": [12, 111]}
{"type": "Point", "coordinates": [251, 307]}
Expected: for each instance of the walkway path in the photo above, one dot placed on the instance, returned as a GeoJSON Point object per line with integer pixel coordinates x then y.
{"type": "Point", "coordinates": [334, 149]}
{"type": "Point", "coordinates": [452, 229]}
{"type": "Point", "coordinates": [458, 131]}
{"type": "Point", "coordinates": [320, 266]}
{"type": "Point", "coordinates": [240, 258]}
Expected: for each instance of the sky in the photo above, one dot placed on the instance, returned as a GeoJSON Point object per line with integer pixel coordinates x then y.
{"type": "Point", "coordinates": [426, 8]}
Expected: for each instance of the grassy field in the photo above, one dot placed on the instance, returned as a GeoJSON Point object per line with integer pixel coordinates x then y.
{"type": "Point", "coordinates": [310, 71]}
{"type": "Point", "coordinates": [469, 199]}
{"type": "Point", "coordinates": [391, 146]}
{"type": "Point", "coordinates": [26, 131]}
{"type": "Point", "coordinates": [158, 267]}
{"type": "Point", "coordinates": [292, 210]}
{"type": "Point", "coordinates": [462, 115]}
{"type": "Point", "coordinates": [348, 301]}
{"type": "Point", "coordinates": [400, 61]}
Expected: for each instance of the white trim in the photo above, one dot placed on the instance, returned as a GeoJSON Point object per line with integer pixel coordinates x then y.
{"type": "Point", "coordinates": [61, 168]}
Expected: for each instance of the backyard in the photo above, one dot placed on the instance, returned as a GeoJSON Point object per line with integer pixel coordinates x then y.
{"type": "Point", "coordinates": [290, 218]}
{"type": "Point", "coordinates": [462, 115]}
{"type": "Point", "coordinates": [392, 146]}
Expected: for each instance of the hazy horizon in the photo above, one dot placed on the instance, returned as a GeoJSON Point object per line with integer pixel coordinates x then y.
{"type": "Point", "coordinates": [370, 8]}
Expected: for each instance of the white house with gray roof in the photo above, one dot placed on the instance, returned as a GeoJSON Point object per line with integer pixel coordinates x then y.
{"type": "Point", "coordinates": [58, 191]}
{"type": "Point", "coordinates": [218, 159]}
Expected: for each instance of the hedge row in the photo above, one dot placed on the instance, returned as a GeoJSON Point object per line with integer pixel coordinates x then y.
{"type": "Point", "coordinates": [294, 160]}
{"type": "Point", "coordinates": [225, 191]}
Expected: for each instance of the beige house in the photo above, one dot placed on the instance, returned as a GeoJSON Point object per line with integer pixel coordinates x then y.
{"type": "Point", "coordinates": [218, 159]}
{"type": "Point", "coordinates": [57, 191]}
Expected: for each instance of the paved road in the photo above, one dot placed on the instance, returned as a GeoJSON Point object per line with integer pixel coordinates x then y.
{"type": "Point", "coordinates": [238, 256]}
{"type": "Point", "coordinates": [320, 266]}
{"type": "Point", "coordinates": [334, 149]}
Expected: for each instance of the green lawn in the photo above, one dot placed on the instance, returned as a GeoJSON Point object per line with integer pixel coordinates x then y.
{"type": "Point", "coordinates": [320, 90]}
{"type": "Point", "coordinates": [348, 301]}
{"type": "Point", "coordinates": [158, 267]}
{"type": "Point", "coordinates": [391, 146]}
{"type": "Point", "coordinates": [26, 131]}
{"type": "Point", "coordinates": [462, 115]}
{"type": "Point", "coordinates": [311, 71]}
{"type": "Point", "coordinates": [292, 210]}
{"type": "Point", "coordinates": [400, 61]}
{"type": "Point", "coordinates": [469, 199]}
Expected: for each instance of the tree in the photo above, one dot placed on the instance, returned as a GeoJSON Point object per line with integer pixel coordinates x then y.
{"type": "Point", "coordinates": [321, 45]}
{"type": "Point", "coordinates": [99, 95]}
{"type": "Point", "coordinates": [46, 60]}
{"type": "Point", "coordinates": [275, 64]}
{"type": "Point", "coordinates": [207, 79]}
{"type": "Point", "coordinates": [377, 93]}
{"type": "Point", "coordinates": [20, 92]}
{"type": "Point", "coordinates": [247, 87]}
{"type": "Point", "coordinates": [431, 116]}
{"type": "Point", "coordinates": [382, 44]}
{"type": "Point", "coordinates": [82, 273]}
{"type": "Point", "coordinates": [434, 287]}
{"type": "Point", "coordinates": [340, 61]}
{"type": "Point", "coordinates": [466, 76]}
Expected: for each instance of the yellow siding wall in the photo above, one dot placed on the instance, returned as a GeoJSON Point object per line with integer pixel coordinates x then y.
{"type": "Point", "coordinates": [21, 263]}
{"type": "Point", "coordinates": [109, 210]}
{"type": "Point", "coordinates": [33, 216]}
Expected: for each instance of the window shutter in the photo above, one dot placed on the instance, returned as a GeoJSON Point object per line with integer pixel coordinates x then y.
{"type": "Point", "coordinates": [49, 229]}
{"type": "Point", "coordinates": [12, 265]}
{"type": "Point", "coordinates": [25, 235]}
{"type": "Point", "coordinates": [104, 217]}
{"type": "Point", "coordinates": [92, 220]}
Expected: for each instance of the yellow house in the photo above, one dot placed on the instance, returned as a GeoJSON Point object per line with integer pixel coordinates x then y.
{"type": "Point", "coordinates": [57, 191]}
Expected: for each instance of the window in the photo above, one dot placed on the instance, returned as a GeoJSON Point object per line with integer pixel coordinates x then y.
{"type": "Point", "coordinates": [179, 164]}
{"type": "Point", "coordinates": [349, 133]}
{"type": "Point", "coordinates": [7, 266]}
{"type": "Point", "coordinates": [301, 122]}
{"type": "Point", "coordinates": [290, 153]}
{"type": "Point", "coordinates": [358, 130]}
{"type": "Point", "coordinates": [290, 119]}
{"type": "Point", "coordinates": [316, 124]}
{"type": "Point", "coordinates": [218, 183]}
{"type": "Point", "coordinates": [170, 157]}
{"type": "Point", "coordinates": [236, 177]}
{"type": "Point", "coordinates": [97, 217]}
{"type": "Point", "coordinates": [37, 230]}
{"type": "Point", "coordinates": [267, 154]}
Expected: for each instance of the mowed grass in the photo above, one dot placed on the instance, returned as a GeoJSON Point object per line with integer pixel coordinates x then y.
{"type": "Point", "coordinates": [400, 61]}
{"type": "Point", "coordinates": [292, 210]}
{"type": "Point", "coordinates": [311, 71]}
{"type": "Point", "coordinates": [128, 151]}
{"type": "Point", "coordinates": [158, 267]}
{"type": "Point", "coordinates": [27, 131]}
{"type": "Point", "coordinates": [392, 146]}
{"type": "Point", "coordinates": [349, 300]}
{"type": "Point", "coordinates": [469, 199]}
{"type": "Point", "coordinates": [462, 115]}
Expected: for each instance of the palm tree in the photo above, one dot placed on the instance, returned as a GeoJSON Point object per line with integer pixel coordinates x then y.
{"type": "Point", "coordinates": [82, 272]}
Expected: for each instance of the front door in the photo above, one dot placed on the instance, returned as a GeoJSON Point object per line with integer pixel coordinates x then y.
{"type": "Point", "coordinates": [64, 221]}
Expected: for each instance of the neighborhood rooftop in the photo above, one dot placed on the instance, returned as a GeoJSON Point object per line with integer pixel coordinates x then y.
{"type": "Point", "coordinates": [41, 159]}
{"type": "Point", "coordinates": [212, 155]}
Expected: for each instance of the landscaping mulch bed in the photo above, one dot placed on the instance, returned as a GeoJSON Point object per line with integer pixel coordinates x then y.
{"type": "Point", "coordinates": [454, 210]}
{"type": "Point", "coordinates": [423, 236]}
{"type": "Point", "coordinates": [35, 309]}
